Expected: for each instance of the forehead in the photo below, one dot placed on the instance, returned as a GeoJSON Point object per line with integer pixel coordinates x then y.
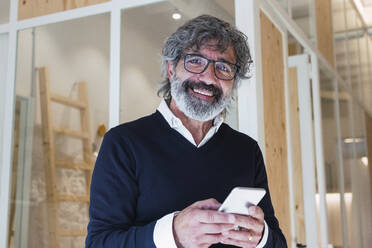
{"type": "Point", "coordinates": [211, 51]}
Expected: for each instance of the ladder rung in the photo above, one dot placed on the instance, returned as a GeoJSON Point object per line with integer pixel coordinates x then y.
{"type": "Point", "coordinates": [67, 101]}
{"type": "Point", "coordinates": [71, 133]}
{"type": "Point", "coordinates": [74, 198]}
{"type": "Point", "coordinates": [73, 232]}
{"type": "Point", "coordinates": [74, 165]}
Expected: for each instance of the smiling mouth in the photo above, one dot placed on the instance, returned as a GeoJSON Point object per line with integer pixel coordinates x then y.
{"type": "Point", "coordinates": [203, 92]}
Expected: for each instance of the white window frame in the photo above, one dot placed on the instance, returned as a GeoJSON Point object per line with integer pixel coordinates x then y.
{"type": "Point", "coordinates": [250, 104]}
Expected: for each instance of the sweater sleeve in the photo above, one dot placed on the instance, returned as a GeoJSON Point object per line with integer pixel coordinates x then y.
{"type": "Point", "coordinates": [275, 238]}
{"type": "Point", "coordinates": [113, 198]}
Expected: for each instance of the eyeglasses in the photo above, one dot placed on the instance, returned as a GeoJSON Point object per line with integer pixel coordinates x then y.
{"type": "Point", "coordinates": [196, 63]}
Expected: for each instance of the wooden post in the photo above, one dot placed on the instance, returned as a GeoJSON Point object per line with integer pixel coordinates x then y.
{"type": "Point", "coordinates": [296, 158]}
{"type": "Point", "coordinates": [275, 121]}
{"type": "Point", "coordinates": [85, 127]}
{"type": "Point", "coordinates": [324, 29]}
{"type": "Point", "coordinates": [49, 159]}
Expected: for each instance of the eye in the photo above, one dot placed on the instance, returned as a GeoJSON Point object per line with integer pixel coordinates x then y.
{"type": "Point", "coordinates": [195, 60]}
{"type": "Point", "coordinates": [223, 67]}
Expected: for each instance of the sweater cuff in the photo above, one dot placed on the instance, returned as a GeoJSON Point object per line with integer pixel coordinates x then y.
{"type": "Point", "coordinates": [163, 232]}
{"type": "Point", "coordinates": [264, 237]}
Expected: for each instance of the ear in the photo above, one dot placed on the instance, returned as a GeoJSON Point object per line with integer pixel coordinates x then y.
{"type": "Point", "coordinates": [170, 69]}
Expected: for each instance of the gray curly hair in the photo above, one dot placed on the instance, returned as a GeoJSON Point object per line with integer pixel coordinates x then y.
{"type": "Point", "coordinates": [197, 33]}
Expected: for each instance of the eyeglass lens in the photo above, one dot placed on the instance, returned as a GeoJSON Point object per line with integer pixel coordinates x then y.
{"type": "Point", "coordinates": [197, 64]}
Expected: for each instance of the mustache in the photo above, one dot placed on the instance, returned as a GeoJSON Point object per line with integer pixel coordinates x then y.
{"type": "Point", "coordinates": [188, 84]}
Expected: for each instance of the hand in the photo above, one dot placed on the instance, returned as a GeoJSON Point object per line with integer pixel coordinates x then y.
{"type": "Point", "coordinates": [200, 225]}
{"type": "Point", "coordinates": [252, 227]}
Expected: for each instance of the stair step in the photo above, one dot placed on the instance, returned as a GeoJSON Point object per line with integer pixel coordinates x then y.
{"type": "Point", "coordinates": [74, 198]}
{"type": "Point", "coordinates": [71, 133]}
{"type": "Point", "coordinates": [73, 232]}
{"type": "Point", "coordinates": [74, 165]}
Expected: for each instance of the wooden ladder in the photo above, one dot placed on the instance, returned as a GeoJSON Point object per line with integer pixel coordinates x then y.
{"type": "Point", "coordinates": [49, 131]}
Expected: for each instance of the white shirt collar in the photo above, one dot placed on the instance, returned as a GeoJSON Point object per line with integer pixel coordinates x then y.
{"type": "Point", "coordinates": [176, 124]}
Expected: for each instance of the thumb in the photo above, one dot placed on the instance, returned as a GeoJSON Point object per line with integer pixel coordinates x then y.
{"type": "Point", "coordinates": [211, 203]}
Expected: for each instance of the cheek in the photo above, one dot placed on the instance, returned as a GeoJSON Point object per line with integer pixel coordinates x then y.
{"type": "Point", "coordinates": [227, 88]}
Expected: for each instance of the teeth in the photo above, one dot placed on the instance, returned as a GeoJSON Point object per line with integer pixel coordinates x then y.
{"type": "Point", "coordinates": [203, 92]}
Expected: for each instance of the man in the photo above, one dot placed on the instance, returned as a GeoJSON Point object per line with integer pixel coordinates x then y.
{"type": "Point", "coordinates": [183, 157]}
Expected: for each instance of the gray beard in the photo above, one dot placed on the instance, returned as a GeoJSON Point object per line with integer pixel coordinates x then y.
{"type": "Point", "coordinates": [196, 108]}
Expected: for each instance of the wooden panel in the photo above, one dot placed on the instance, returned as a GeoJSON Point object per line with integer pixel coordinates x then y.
{"type": "Point", "coordinates": [368, 120]}
{"type": "Point", "coordinates": [296, 157]}
{"type": "Point", "coordinates": [292, 49]}
{"type": "Point", "coordinates": [34, 8]}
{"type": "Point", "coordinates": [324, 29]}
{"type": "Point", "coordinates": [275, 125]}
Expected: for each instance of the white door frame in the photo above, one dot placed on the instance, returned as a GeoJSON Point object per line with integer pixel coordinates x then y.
{"type": "Point", "coordinates": [301, 63]}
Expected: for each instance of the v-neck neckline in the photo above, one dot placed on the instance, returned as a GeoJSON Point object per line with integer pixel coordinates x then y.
{"type": "Point", "coordinates": [180, 138]}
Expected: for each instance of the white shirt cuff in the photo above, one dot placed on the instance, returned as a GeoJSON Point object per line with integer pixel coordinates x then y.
{"type": "Point", "coordinates": [163, 232]}
{"type": "Point", "coordinates": [264, 237]}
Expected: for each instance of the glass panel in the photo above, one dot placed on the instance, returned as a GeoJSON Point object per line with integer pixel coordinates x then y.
{"type": "Point", "coordinates": [143, 39]}
{"type": "Point", "coordinates": [3, 74]}
{"type": "Point", "coordinates": [361, 210]}
{"type": "Point", "coordinates": [344, 100]}
{"type": "Point", "coordinates": [4, 11]}
{"type": "Point", "coordinates": [346, 118]}
{"type": "Point", "coordinates": [339, 27]}
{"type": "Point", "coordinates": [368, 90]}
{"type": "Point", "coordinates": [74, 52]}
{"type": "Point", "coordinates": [331, 159]}
{"type": "Point", "coordinates": [354, 33]}
{"type": "Point", "coordinates": [303, 15]}
{"type": "Point", "coordinates": [284, 4]}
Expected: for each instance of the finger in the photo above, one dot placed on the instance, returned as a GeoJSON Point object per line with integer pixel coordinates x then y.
{"type": "Point", "coordinates": [215, 228]}
{"type": "Point", "coordinates": [207, 204]}
{"type": "Point", "coordinates": [208, 239]}
{"type": "Point", "coordinates": [229, 241]}
{"type": "Point", "coordinates": [212, 216]}
{"type": "Point", "coordinates": [249, 222]}
{"type": "Point", "coordinates": [248, 236]}
{"type": "Point", "coordinates": [256, 212]}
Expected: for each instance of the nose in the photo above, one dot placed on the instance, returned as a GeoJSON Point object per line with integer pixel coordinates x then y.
{"type": "Point", "coordinates": [208, 75]}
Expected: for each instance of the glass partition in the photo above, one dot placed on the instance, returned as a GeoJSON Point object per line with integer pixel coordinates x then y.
{"type": "Point", "coordinates": [340, 31]}
{"type": "Point", "coordinates": [361, 210]}
{"type": "Point", "coordinates": [331, 158]}
{"type": "Point", "coordinates": [144, 30]}
{"type": "Point", "coordinates": [348, 145]}
{"type": "Point", "coordinates": [4, 11]}
{"type": "Point", "coordinates": [303, 14]}
{"type": "Point", "coordinates": [354, 33]}
{"type": "Point", "coordinates": [61, 113]}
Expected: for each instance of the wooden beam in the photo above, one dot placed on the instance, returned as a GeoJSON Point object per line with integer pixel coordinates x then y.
{"type": "Point", "coordinates": [275, 121]}
{"type": "Point", "coordinates": [34, 8]}
{"type": "Point", "coordinates": [324, 29]}
{"type": "Point", "coordinates": [296, 158]}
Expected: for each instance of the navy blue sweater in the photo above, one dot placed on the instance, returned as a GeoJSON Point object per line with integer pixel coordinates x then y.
{"type": "Point", "coordinates": [146, 170]}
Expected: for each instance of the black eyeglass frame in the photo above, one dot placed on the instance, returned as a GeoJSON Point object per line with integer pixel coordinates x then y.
{"type": "Point", "coordinates": [234, 66]}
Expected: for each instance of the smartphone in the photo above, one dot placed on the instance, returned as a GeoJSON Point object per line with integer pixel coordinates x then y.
{"type": "Point", "coordinates": [240, 199]}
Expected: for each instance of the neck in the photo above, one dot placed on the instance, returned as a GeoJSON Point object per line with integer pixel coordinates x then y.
{"type": "Point", "coordinates": [198, 129]}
